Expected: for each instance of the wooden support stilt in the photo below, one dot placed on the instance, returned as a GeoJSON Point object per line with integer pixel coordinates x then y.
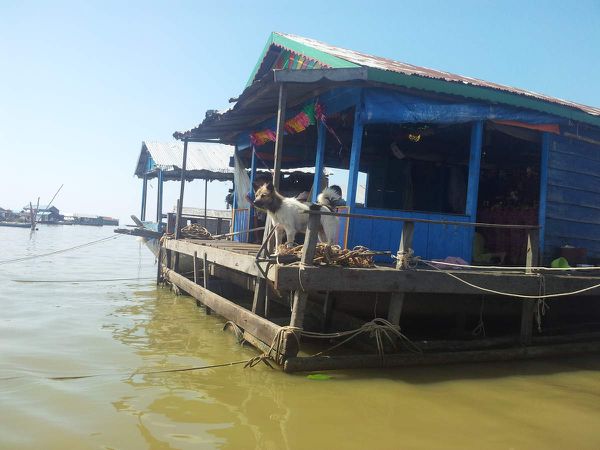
{"type": "Point", "coordinates": [395, 309]}
{"type": "Point", "coordinates": [527, 321]}
{"type": "Point", "coordinates": [196, 268]}
{"type": "Point", "coordinates": [279, 136]}
{"type": "Point", "coordinates": [528, 308]}
{"type": "Point", "coordinates": [206, 280]}
{"type": "Point", "coordinates": [175, 265]}
{"type": "Point", "coordinates": [328, 305]}
{"type": "Point", "coordinates": [159, 264]}
{"type": "Point", "coordinates": [408, 231]}
{"type": "Point", "coordinates": [260, 290]}
{"type": "Point", "coordinates": [205, 203]}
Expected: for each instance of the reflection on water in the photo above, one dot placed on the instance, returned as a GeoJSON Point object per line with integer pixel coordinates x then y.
{"type": "Point", "coordinates": [120, 328]}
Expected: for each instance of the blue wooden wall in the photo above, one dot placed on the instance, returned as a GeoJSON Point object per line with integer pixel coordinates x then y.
{"type": "Point", "coordinates": [429, 241]}
{"type": "Point", "coordinates": [573, 196]}
{"type": "Point", "coordinates": [240, 217]}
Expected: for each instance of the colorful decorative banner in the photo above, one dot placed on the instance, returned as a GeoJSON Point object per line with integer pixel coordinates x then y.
{"type": "Point", "coordinates": [300, 122]}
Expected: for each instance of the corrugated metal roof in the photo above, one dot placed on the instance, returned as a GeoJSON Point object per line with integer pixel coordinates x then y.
{"type": "Point", "coordinates": [204, 159]}
{"type": "Point", "coordinates": [376, 62]}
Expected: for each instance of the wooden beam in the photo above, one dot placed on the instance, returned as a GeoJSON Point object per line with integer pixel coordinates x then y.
{"type": "Point", "coordinates": [159, 265]}
{"type": "Point", "coordinates": [294, 364]}
{"type": "Point", "coordinates": [248, 321]}
{"type": "Point", "coordinates": [181, 190]}
{"type": "Point", "coordinates": [355, 150]}
{"type": "Point", "coordinates": [311, 237]}
{"type": "Point", "coordinates": [206, 277]}
{"type": "Point", "coordinates": [260, 291]}
{"type": "Point", "coordinates": [205, 203]}
{"type": "Point", "coordinates": [215, 255]}
{"type": "Point", "coordinates": [406, 240]}
{"type": "Point", "coordinates": [279, 137]}
{"type": "Point", "coordinates": [383, 279]}
{"type": "Point", "coordinates": [196, 268]}
{"type": "Point", "coordinates": [527, 311]}
{"type": "Point", "coordinates": [159, 199]}
{"type": "Point", "coordinates": [319, 161]}
{"type": "Point", "coordinates": [395, 308]}
{"type": "Point", "coordinates": [144, 195]}
{"type": "Point", "coordinates": [533, 249]}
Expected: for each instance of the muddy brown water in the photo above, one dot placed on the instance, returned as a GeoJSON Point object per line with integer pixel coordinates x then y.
{"type": "Point", "coordinates": [115, 329]}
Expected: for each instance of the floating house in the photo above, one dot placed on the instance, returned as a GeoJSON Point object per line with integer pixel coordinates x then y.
{"type": "Point", "coordinates": [164, 161]}
{"type": "Point", "coordinates": [457, 170]}
{"type": "Point", "coordinates": [45, 214]}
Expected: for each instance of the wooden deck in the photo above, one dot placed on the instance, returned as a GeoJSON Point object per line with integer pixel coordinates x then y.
{"type": "Point", "coordinates": [238, 263]}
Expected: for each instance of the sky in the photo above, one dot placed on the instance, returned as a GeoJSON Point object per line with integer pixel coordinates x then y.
{"type": "Point", "coordinates": [82, 84]}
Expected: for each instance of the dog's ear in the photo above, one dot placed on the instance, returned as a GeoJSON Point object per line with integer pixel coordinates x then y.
{"type": "Point", "coordinates": [269, 186]}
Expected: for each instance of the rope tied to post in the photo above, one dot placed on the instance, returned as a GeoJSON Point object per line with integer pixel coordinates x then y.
{"type": "Point", "coordinates": [277, 346]}
{"type": "Point", "coordinates": [380, 329]}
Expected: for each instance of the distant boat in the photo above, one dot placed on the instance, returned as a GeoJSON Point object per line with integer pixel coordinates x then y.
{"type": "Point", "coordinates": [15, 224]}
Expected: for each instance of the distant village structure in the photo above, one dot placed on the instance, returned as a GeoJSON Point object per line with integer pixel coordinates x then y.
{"type": "Point", "coordinates": [51, 215]}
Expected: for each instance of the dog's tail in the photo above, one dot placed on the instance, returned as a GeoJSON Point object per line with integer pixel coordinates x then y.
{"type": "Point", "coordinates": [328, 198]}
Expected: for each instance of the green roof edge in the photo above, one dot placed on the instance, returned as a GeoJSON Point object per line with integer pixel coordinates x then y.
{"type": "Point", "coordinates": [481, 93]}
{"type": "Point", "coordinates": [311, 52]}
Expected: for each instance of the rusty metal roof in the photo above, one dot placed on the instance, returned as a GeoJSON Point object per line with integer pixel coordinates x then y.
{"type": "Point", "coordinates": [204, 160]}
{"type": "Point", "coordinates": [385, 64]}
{"type": "Point", "coordinates": [259, 100]}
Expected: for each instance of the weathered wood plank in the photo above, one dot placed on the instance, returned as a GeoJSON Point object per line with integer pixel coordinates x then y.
{"type": "Point", "coordinates": [248, 321]}
{"type": "Point", "coordinates": [391, 280]}
{"type": "Point", "coordinates": [294, 364]}
{"type": "Point", "coordinates": [383, 279]}
{"type": "Point", "coordinates": [236, 261]}
{"type": "Point", "coordinates": [395, 308]}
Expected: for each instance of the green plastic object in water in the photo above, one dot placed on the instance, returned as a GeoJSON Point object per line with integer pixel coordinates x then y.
{"type": "Point", "coordinates": [560, 263]}
{"type": "Point", "coordinates": [318, 376]}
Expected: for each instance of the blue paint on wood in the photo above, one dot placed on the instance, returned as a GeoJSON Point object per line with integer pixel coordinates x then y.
{"type": "Point", "coordinates": [357, 136]}
{"type": "Point", "coordinates": [429, 241]}
{"type": "Point", "coordinates": [144, 194]}
{"type": "Point", "coordinates": [319, 160]}
{"type": "Point", "coordinates": [543, 188]}
{"type": "Point", "coordinates": [159, 198]}
{"type": "Point", "coordinates": [474, 169]}
{"type": "Point", "coordinates": [573, 196]}
{"type": "Point", "coordinates": [241, 217]}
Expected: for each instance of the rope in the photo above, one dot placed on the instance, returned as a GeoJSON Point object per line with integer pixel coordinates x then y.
{"type": "Point", "coordinates": [511, 294]}
{"type": "Point", "coordinates": [87, 244]}
{"type": "Point", "coordinates": [276, 345]}
{"type": "Point", "coordinates": [480, 328]}
{"type": "Point", "coordinates": [131, 375]}
{"type": "Point", "coordinates": [334, 255]}
{"type": "Point", "coordinates": [237, 330]}
{"type": "Point", "coordinates": [544, 269]}
{"type": "Point", "coordinates": [377, 328]}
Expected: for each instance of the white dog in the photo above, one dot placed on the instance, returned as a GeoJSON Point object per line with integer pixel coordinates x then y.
{"type": "Point", "coordinates": [287, 213]}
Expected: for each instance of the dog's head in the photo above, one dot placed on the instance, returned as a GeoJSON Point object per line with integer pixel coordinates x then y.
{"type": "Point", "coordinates": [267, 198]}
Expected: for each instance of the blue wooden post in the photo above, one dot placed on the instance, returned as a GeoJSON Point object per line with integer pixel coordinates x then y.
{"type": "Point", "coordinates": [159, 198]}
{"type": "Point", "coordinates": [473, 183]}
{"type": "Point", "coordinates": [251, 193]}
{"type": "Point", "coordinates": [144, 194]}
{"type": "Point", "coordinates": [357, 135]}
{"type": "Point", "coordinates": [545, 156]}
{"type": "Point", "coordinates": [319, 160]}
{"type": "Point", "coordinates": [474, 170]}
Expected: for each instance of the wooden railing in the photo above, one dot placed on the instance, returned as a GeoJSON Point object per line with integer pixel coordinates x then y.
{"type": "Point", "coordinates": [408, 227]}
